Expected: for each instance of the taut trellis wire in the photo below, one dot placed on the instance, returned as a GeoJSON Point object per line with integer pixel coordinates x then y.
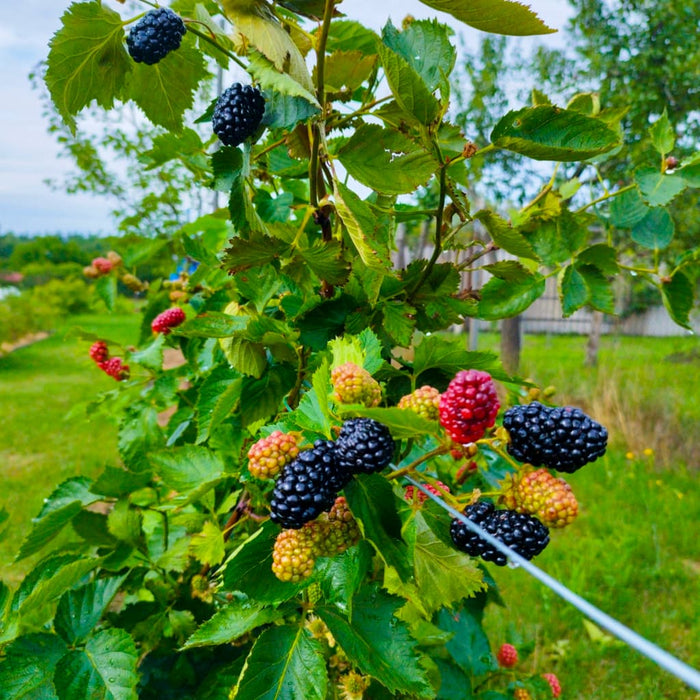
{"type": "Point", "coordinates": [667, 661]}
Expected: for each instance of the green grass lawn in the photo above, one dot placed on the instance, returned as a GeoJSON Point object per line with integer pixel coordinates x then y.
{"type": "Point", "coordinates": [39, 385]}
{"type": "Point", "coordinates": [633, 550]}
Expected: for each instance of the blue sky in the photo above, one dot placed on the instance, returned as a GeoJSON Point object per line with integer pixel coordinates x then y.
{"type": "Point", "coordinates": [28, 155]}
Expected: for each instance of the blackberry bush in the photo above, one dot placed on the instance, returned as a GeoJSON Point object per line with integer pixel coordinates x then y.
{"type": "Point", "coordinates": [154, 36]}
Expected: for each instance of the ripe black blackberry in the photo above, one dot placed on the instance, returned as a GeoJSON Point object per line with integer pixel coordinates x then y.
{"type": "Point", "coordinates": [237, 113]}
{"type": "Point", "coordinates": [154, 36]}
{"type": "Point", "coordinates": [364, 446]}
{"type": "Point", "coordinates": [522, 533]}
{"type": "Point", "coordinates": [564, 439]}
{"type": "Point", "coordinates": [306, 487]}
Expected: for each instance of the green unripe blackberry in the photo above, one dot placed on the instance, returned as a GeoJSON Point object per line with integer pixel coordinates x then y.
{"type": "Point", "coordinates": [354, 384]}
{"type": "Point", "coordinates": [424, 401]}
{"type": "Point", "coordinates": [293, 556]}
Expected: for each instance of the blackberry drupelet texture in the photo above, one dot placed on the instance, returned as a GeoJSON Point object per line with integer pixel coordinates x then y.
{"type": "Point", "coordinates": [550, 499]}
{"type": "Point", "coordinates": [167, 320]}
{"type": "Point", "coordinates": [270, 454]}
{"type": "Point", "coordinates": [306, 487]}
{"type": "Point", "coordinates": [154, 36]}
{"type": "Point", "coordinates": [237, 113]}
{"type": "Point", "coordinates": [99, 352]}
{"type": "Point", "coordinates": [469, 406]}
{"type": "Point", "coordinates": [524, 534]}
{"type": "Point", "coordinates": [364, 446]}
{"type": "Point", "coordinates": [354, 384]}
{"type": "Point", "coordinates": [424, 401]}
{"type": "Point", "coordinates": [564, 439]}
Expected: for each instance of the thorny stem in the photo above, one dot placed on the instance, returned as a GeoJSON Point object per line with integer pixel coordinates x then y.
{"type": "Point", "coordinates": [321, 97]}
{"type": "Point", "coordinates": [437, 250]}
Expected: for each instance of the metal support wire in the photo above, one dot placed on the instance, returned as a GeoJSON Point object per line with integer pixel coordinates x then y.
{"type": "Point", "coordinates": [660, 657]}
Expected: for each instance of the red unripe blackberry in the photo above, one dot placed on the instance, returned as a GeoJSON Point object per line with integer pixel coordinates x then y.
{"type": "Point", "coordinates": [353, 384]}
{"type": "Point", "coordinates": [293, 556]}
{"type": "Point", "coordinates": [469, 406]}
{"type": "Point", "coordinates": [167, 320]}
{"type": "Point", "coordinates": [524, 534]}
{"type": "Point", "coordinates": [424, 401]}
{"type": "Point", "coordinates": [363, 446]}
{"type": "Point", "coordinates": [564, 439]}
{"type": "Point", "coordinates": [548, 498]}
{"type": "Point", "coordinates": [553, 684]}
{"type": "Point", "coordinates": [507, 656]}
{"type": "Point", "coordinates": [411, 492]}
{"type": "Point", "coordinates": [269, 454]}
{"type": "Point", "coordinates": [237, 113]}
{"type": "Point", "coordinates": [102, 265]}
{"type": "Point", "coordinates": [99, 351]}
{"type": "Point", "coordinates": [155, 35]}
{"type": "Point", "coordinates": [115, 368]}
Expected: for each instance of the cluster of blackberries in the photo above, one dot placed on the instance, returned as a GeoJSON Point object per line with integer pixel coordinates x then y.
{"type": "Point", "coordinates": [155, 35]}
{"type": "Point", "coordinates": [308, 486]}
{"type": "Point", "coordinates": [524, 534]}
{"type": "Point", "coordinates": [558, 438]}
{"type": "Point", "coordinates": [237, 113]}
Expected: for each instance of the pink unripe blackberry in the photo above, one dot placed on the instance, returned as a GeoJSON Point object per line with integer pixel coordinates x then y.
{"type": "Point", "coordinates": [102, 265]}
{"type": "Point", "coordinates": [507, 656]}
{"type": "Point", "coordinates": [553, 684]}
{"type": "Point", "coordinates": [115, 368]}
{"type": "Point", "coordinates": [411, 492]}
{"type": "Point", "coordinates": [424, 401]}
{"type": "Point", "coordinates": [354, 384]}
{"type": "Point", "coordinates": [469, 406]}
{"type": "Point", "coordinates": [268, 455]}
{"type": "Point", "coordinates": [99, 351]}
{"type": "Point", "coordinates": [167, 320]}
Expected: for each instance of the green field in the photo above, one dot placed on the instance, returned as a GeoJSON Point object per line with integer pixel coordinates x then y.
{"type": "Point", "coordinates": [633, 550]}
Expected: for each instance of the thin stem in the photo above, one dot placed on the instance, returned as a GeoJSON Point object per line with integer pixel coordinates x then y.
{"type": "Point", "coordinates": [215, 43]}
{"type": "Point", "coordinates": [610, 195]}
{"type": "Point", "coordinates": [410, 467]}
{"type": "Point", "coordinates": [544, 191]}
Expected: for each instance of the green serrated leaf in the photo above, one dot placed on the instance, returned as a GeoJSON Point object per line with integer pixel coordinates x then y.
{"type": "Point", "coordinates": [678, 297]}
{"type": "Point", "coordinates": [106, 288]}
{"type": "Point", "coordinates": [662, 136]}
{"type": "Point", "coordinates": [106, 668]}
{"type": "Point", "coordinates": [87, 60]}
{"type": "Point", "coordinates": [402, 423]}
{"type": "Point", "coordinates": [165, 90]}
{"type": "Point", "coordinates": [600, 288]}
{"type": "Point", "coordinates": [188, 467]}
{"type": "Point", "coordinates": [362, 226]}
{"type": "Point", "coordinates": [449, 355]}
{"type": "Point", "coordinates": [378, 642]}
{"type": "Point", "coordinates": [508, 270]}
{"type": "Point", "coordinates": [326, 261]}
{"type": "Point", "coordinates": [261, 398]}
{"type": "Point", "coordinates": [603, 256]}
{"type": "Point", "coordinates": [399, 322]}
{"type": "Point", "coordinates": [627, 209]}
{"type": "Point", "coordinates": [139, 434]}
{"type": "Point", "coordinates": [505, 236]}
{"type": "Point", "coordinates": [212, 324]}
{"type": "Point", "coordinates": [501, 299]}
{"type": "Point", "coordinates": [124, 522]}
{"type": "Point", "coordinates": [408, 88]}
{"type": "Point", "coordinates": [151, 356]}
{"type": "Point", "coordinates": [346, 71]}
{"type": "Point", "coordinates": [243, 254]}
{"type": "Point", "coordinates": [79, 611]}
{"type": "Point", "coordinates": [218, 396]}
{"type": "Point", "coordinates": [285, 112]}
{"type": "Point", "coordinates": [386, 160]}
{"type": "Point", "coordinates": [270, 78]}
{"type": "Point", "coordinates": [495, 16]}
{"type": "Point", "coordinates": [552, 133]}
{"type": "Point", "coordinates": [655, 230]}
{"type": "Point", "coordinates": [443, 575]}
{"type": "Point", "coordinates": [232, 622]}
{"type": "Point", "coordinates": [373, 503]}
{"type": "Point", "coordinates": [208, 546]}
{"type": "Point", "coordinates": [573, 290]}
{"type": "Point", "coordinates": [469, 646]}
{"type": "Point", "coordinates": [64, 503]}
{"type": "Point", "coordinates": [657, 188]}
{"type": "Point", "coordinates": [285, 663]}
{"type": "Point", "coordinates": [28, 668]}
